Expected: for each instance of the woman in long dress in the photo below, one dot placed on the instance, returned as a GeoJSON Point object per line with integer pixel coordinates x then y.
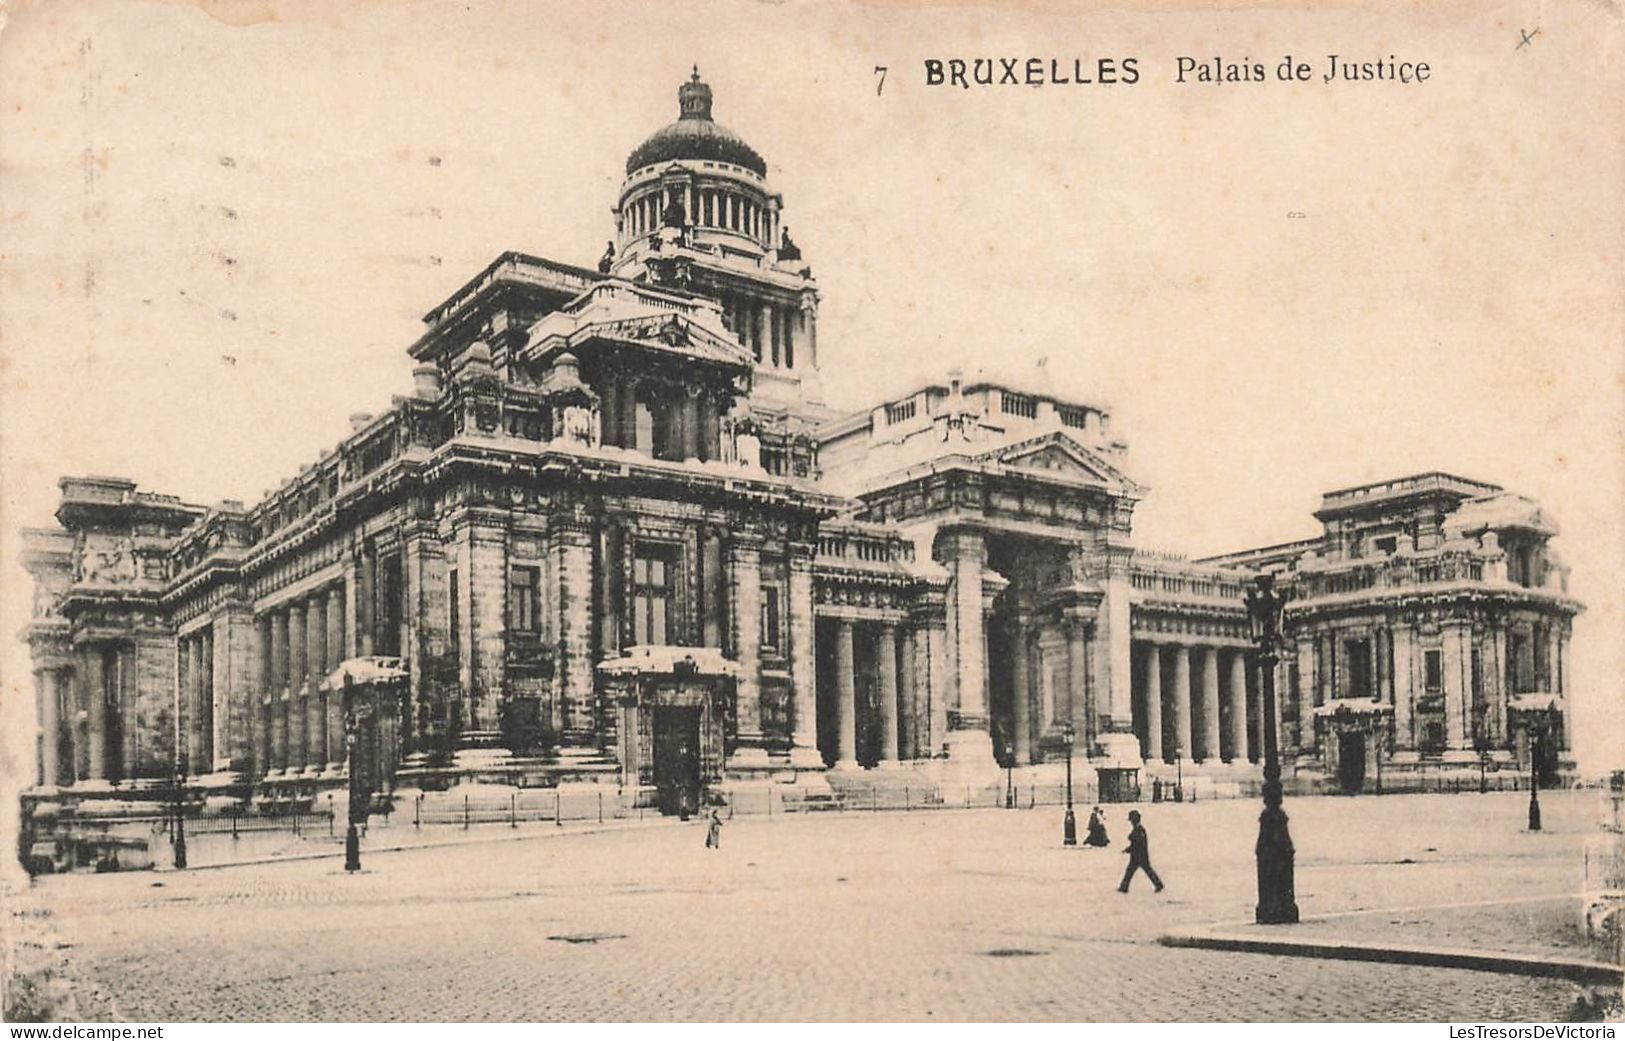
{"type": "Point", "coordinates": [713, 831]}
{"type": "Point", "coordinates": [1097, 830]}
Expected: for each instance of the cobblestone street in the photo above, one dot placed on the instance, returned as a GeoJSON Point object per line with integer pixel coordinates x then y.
{"type": "Point", "coordinates": [964, 915]}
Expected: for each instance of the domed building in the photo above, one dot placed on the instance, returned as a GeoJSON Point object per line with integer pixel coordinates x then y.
{"type": "Point", "coordinates": [696, 212]}
{"type": "Point", "coordinates": [614, 546]}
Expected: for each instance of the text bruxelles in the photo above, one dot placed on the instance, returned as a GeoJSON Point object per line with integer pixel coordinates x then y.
{"type": "Point", "coordinates": [1041, 72]}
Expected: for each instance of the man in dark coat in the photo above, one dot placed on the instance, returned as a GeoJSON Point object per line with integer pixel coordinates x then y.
{"type": "Point", "coordinates": [1139, 855]}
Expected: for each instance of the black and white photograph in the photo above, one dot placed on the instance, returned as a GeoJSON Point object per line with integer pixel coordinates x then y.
{"type": "Point", "coordinates": [812, 512]}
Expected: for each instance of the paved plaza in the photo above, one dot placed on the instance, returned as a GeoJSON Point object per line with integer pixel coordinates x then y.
{"type": "Point", "coordinates": [977, 915]}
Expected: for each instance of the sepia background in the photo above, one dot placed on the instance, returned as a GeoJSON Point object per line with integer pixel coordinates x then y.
{"type": "Point", "coordinates": [222, 224]}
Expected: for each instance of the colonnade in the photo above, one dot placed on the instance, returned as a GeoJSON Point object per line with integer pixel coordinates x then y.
{"type": "Point", "coordinates": [198, 714]}
{"type": "Point", "coordinates": [1193, 702]}
{"type": "Point", "coordinates": [302, 726]}
{"type": "Point", "coordinates": [904, 722]}
{"type": "Point", "coordinates": [703, 207]}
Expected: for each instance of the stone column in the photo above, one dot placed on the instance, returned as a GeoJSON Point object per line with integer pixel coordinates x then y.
{"type": "Point", "coordinates": [968, 736]}
{"type": "Point", "coordinates": [1182, 702]}
{"type": "Point", "coordinates": [334, 731]}
{"type": "Point", "coordinates": [572, 539]}
{"type": "Point", "coordinates": [931, 668]}
{"type": "Point", "coordinates": [1021, 692]}
{"type": "Point", "coordinates": [130, 729]}
{"type": "Point", "coordinates": [93, 671]}
{"type": "Point", "coordinates": [192, 692]}
{"type": "Point", "coordinates": [315, 660]}
{"type": "Point", "coordinates": [50, 695]}
{"type": "Point", "coordinates": [845, 697]}
{"type": "Point", "coordinates": [262, 695]}
{"type": "Point", "coordinates": [298, 689]}
{"type": "Point", "coordinates": [210, 723]}
{"type": "Point", "coordinates": [366, 607]}
{"type": "Point", "coordinates": [1238, 706]}
{"type": "Point", "coordinates": [803, 660]}
{"type": "Point", "coordinates": [910, 695]}
{"type": "Point", "coordinates": [745, 630]}
{"type": "Point", "coordinates": [1080, 704]}
{"type": "Point", "coordinates": [886, 666]}
{"type": "Point", "coordinates": [1153, 703]}
{"type": "Point", "coordinates": [279, 690]}
{"type": "Point", "coordinates": [1210, 704]}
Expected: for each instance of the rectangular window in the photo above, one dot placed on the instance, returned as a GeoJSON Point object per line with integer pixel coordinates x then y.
{"type": "Point", "coordinates": [772, 620]}
{"type": "Point", "coordinates": [653, 579]}
{"type": "Point", "coordinates": [1359, 658]}
{"type": "Point", "coordinates": [1433, 662]}
{"type": "Point", "coordinates": [524, 600]}
{"type": "Point", "coordinates": [391, 595]}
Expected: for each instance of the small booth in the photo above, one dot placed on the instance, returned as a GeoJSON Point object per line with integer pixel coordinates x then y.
{"type": "Point", "coordinates": [670, 714]}
{"type": "Point", "coordinates": [1352, 732]}
{"type": "Point", "coordinates": [1535, 723]}
{"type": "Point", "coordinates": [375, 692]}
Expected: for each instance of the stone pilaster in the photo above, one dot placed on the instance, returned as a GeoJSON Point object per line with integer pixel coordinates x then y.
{"type": "Point", "coordinates": [571, 540]}
{"type": "Point", "coordinates": [49, 692]}
{"type": "Point", "coordinates": [1079, 705]}
{"type": "Point", "coordinates": [1405, 690]}
{"type": "Point", "coordinates": [966, 557]}
{"type": "Point", "coordinates": [237, 687]}
{"type": "Point", "coordinates": [745, 631]}
{"type": "Point", "coordinates": [336, 653]}
{"type": "Point", "coordinates": [92, 673]}
{"type": "Point", "coordinates": [1308, 682]}
{"type": "Point", "coordinates": [1457, 671]}
{"type": "Point", "coordinates": [803, 659]}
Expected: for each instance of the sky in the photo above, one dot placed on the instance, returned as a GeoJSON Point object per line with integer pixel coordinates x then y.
{"type": "Point", "coordinates": [222, 225]}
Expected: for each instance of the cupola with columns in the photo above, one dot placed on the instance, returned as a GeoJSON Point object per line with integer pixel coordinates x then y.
{"type": "Point", "coordinates": [696, 213]}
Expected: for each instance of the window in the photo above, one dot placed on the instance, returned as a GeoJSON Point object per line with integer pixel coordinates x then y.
{"type": "Point", "coordinates": [1433, 662]}
{"type": "Point", "coordinates": [1387, 545]}
{"type": "Point", "coordinates": [1359, 658]}
{"type": "Point", "coordinates": [652, 583]}
{"type": "Point", "coordinates": [524, 604]}
{"type": "Point", "coordinates": [391, 595]}
{"type": "Point", "coordinates": [772, 620]}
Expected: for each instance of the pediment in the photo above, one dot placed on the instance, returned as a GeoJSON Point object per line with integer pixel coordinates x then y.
{"type": "Point", "coordinates": [1057, 456]}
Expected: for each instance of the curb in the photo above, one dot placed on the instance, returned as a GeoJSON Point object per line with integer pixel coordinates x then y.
{"type": "Point", "coordinates": [1577, 970]}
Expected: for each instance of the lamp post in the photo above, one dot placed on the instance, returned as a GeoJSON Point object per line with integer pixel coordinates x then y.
{"type": "Point", "coordinates": [1069, 823]}
{"type": "Point", "coordinates": [1537, 739]}
{"type": "Point", "coordinates": [358, 796]}
{"type": "Point", "coordinates": [1277, 902]}
{"type": "Point", "coordinates": [1009, 773]}
{"type": "Point", "coordinates": [180, 815]}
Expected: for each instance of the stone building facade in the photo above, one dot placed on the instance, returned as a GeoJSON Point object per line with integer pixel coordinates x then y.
{"type": "Point", "coordinates": [615, 538]}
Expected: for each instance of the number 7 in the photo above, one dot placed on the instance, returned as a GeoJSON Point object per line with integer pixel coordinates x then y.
{"type": "Point", "coordinates": [881, 69]}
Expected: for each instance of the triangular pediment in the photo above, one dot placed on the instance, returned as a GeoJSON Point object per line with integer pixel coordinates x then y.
{"type": "Point", "coordinates": [1058, 456]}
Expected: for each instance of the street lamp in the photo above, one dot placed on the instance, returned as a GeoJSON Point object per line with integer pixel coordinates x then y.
{"type": "Point", "coordinates": [1009, 772]}
{"type": "Point", "coordinates": [1069, 823]}
{"type": "Point", "coordinates": [1277, 903]}
{"type": "Point", "coordinates": [1537, 741]}
{"type": "Point", "coordinates": [358, 796]}
{"type": "Point", "coordinates": [180, 814]}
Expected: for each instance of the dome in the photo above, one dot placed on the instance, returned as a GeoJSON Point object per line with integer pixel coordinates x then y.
{"type": "Point", "coordinates": [695, 136]}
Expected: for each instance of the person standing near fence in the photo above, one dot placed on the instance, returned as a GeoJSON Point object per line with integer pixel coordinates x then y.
{"type": "Point", "coordinates": [1139, 854]}
{"type": "Point", "coordinates": [713, 830]}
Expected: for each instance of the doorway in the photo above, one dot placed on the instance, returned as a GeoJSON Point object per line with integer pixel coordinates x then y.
{"type": "Point", "coordinates": [1351, 761]}
{"type": "Point", "coordinates": [677, 757]}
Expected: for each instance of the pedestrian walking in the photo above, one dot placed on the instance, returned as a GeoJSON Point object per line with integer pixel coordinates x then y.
{"type": "Point", "coordinates": [1096, 831]}
{"type": "Point", "coordinates": [1139, 854]}
{"type": "Point", "coordinates": [713, 831]}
